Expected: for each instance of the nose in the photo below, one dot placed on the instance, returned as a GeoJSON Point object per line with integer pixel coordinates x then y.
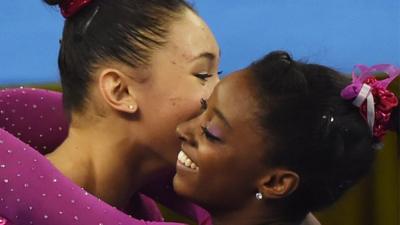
{"type": "Point", "coordinates": [185, 133]}
{"type": "Point", "coordinates": [210, 87]}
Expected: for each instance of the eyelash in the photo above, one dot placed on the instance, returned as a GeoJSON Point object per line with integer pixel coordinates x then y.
{"type": "Point", "coordinates": [205, 76]}
{"type": "Point", "coordinates": [208, 135]}
{"type": "Point", "coordinates": [204, 104]}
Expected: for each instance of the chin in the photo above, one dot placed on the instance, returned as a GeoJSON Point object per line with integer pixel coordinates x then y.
{"type": "Point", "coordinates": [183, 189]}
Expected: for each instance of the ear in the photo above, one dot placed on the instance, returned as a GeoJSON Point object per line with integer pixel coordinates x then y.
{"type": "Point", "coordinates": [116, 91]}
{"type": "Point", "coordinates": [278, 183]}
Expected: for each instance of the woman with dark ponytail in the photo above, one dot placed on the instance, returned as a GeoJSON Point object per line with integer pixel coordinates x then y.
{"type": "Point", "coordinates": [131, 70]}
{"type": "Point", "coordinates": [282, 138]}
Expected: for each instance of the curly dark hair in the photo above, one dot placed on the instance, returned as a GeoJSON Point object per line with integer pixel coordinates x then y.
{"type": "Point", "coordinates": [311, 129]}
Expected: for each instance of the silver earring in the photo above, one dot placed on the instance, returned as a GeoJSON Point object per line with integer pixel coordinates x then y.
{"type": "Point", "coordinates": [259, 196]}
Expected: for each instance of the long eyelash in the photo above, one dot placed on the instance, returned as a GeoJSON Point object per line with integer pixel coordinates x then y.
{"type": "Point", "coordinates": [203, 76]}
{"type": "Point", "coordinates": [208, 135]}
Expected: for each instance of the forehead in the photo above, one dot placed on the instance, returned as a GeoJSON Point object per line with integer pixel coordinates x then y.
{"type": "Point", "coordinates": [235, 98]}
{"type": "Point", "coordinates": [191, 36]}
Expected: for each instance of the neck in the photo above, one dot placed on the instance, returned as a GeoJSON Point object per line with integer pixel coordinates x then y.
{"type": "Point", "coordinates": [105, 163]}
{"type": "Point", "coordinates": [255, 214]}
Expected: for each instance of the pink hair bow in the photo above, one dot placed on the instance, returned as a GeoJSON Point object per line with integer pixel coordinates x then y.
{"type": "Point", "coordinates": [375, 101]}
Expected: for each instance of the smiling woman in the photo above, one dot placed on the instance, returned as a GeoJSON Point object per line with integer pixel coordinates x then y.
{"type": "Point", "coordinates": [282, 138]}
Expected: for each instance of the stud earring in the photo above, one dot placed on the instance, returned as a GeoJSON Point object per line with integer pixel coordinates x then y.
{"type": "Point", "coordinates": [259, 196]}
{"type": "Point", "coordinates": [131, 107]}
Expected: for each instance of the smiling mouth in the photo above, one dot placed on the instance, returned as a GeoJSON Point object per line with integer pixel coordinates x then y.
{"type": "Point", "coordinates": [183, 159]}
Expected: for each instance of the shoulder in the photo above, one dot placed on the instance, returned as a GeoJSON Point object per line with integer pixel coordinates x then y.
{"type": "Point", "coordinates": [35, 116]}
{"type": "Point", "coordinates": [310, 220]}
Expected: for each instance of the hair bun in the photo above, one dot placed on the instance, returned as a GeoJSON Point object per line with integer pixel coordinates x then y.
{"type": "Point", "coordinates": [281, 56]}
{"type": "Point", "coordinates": [286, 57]}
{"type": "Point", "coordinates": [52, 2]}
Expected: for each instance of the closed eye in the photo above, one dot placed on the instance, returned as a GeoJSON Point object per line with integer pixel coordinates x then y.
{"type": "Point", "coordinates": [209, 135]}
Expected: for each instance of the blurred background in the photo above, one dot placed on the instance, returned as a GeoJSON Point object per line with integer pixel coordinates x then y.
{"type": "Point", "coordinates": [337, 33]}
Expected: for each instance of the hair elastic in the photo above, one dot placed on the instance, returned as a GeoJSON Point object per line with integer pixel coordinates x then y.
{"type": "Point", "coordinates": [71, 7]}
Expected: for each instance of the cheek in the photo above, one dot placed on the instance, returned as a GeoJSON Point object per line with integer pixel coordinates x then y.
{"type": "Point", "coordinates": [224, 173]}
{"type": "Point", "coordinates": [222, 179]}
{"type": "Point", "coordinates": [207, 183]}
{"type": "Point", "coordinates": [186, 104]}
{"type": "Point", "coordinates": [178, 102]}
{"type": "Point", "coordinates": [167, 113]}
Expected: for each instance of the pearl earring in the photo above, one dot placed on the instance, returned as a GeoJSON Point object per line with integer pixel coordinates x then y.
{"type": "Point", "coordinates": [130, 107]}
{"type": "Point", "coordinates": [259, 196]}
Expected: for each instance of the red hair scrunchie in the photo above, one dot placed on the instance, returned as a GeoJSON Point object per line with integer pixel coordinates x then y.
{"type": "Point", "coordinates": [71, 7]}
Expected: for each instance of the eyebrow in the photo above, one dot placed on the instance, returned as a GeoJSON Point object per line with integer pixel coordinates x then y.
{"type": "Point", "coordinates": [208, 55]}
{"type": "Point", "coordinates": [222, 117]}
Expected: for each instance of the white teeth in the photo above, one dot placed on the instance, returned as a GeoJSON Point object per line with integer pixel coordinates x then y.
{"type": "Point", "coordinates": [180, 155]}
{"type": "Point", "coordinates": [186, 161]}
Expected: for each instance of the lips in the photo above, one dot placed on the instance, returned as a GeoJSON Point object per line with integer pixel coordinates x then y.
{"type": "Point", "coordinates": [184, 160]}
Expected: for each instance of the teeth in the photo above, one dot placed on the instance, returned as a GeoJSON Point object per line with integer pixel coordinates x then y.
{"type": "Point", "coordinates": [180, 155]}
{"type": "Point", "coordinates": [186, 161]}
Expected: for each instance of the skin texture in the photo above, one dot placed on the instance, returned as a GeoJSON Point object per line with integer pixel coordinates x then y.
{"type": "Point", "coordinates": [126, 134]}
{"type": "Point", "coordinates": [229, 148]}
